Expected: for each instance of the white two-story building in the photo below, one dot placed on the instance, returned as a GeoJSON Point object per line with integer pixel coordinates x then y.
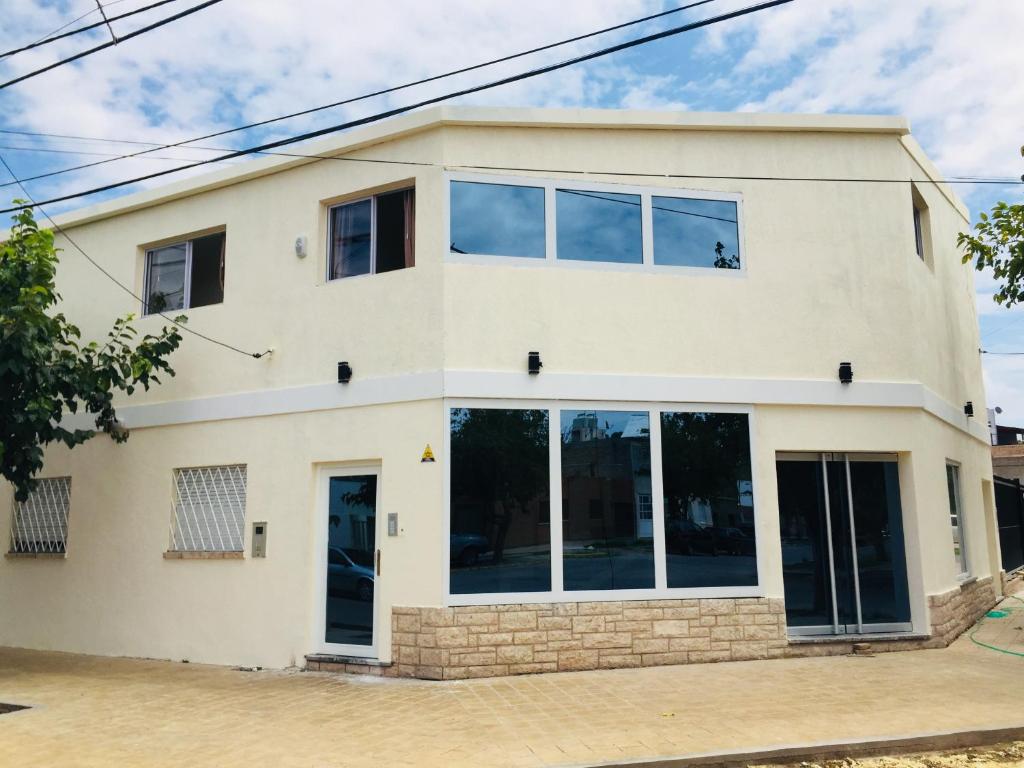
{"type": "Point", "coordinates": [549, 390]}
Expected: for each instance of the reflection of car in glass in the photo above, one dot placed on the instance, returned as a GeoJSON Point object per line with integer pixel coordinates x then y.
{"type": "Point", "coordinates": [684, 537]}
{"type": "Point", "coordinates": [346, 576]}
{"type": "Point", "coordinates": [466, 548]}
{"type": "Point", "coordinates": [732, 541]}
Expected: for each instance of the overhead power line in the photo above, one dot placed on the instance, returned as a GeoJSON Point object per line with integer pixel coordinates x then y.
{"type": "Point", "coordinates": [353, 99]}
{"type": "Point", "coordinates": [122, 286]}
{"type": "Point", "coordinates": [129, 36]}
{"type": "Point", "coordinates": [106, 21]}
{"type": "Point", "coordinates": [425, 102]}
{"type": "Point", "coordinates": [53, 37]}
{"type": "Point", "coordinates": [75, 20]}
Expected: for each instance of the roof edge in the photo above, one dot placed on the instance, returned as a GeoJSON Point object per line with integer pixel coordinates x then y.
{"type": "Point", "coordinates": [404, 125]}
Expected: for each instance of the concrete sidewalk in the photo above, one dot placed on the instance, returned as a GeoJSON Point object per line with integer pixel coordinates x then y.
{"type": "Point", "coordinates": [89, 711]}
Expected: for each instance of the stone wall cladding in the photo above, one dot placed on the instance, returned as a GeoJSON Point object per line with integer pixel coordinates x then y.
{"type": "Point", "coordinates": [496, 640]}
{"type": "Point", "coordinates": [955, 611]}
{"type": "Point", "coordinates": [526, 638]}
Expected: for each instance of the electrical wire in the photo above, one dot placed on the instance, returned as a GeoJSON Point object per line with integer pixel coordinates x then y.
{"type": "Point", "coordinates": [65, 26]}
{"type": "Point", "coordinates": [122, 286]}
{"type": "Point", "coordinates": [106, 21]}
{"type": "Point", "coordinates": [354, 99]}
{"type": "Point", "coordinates": [102, 46]}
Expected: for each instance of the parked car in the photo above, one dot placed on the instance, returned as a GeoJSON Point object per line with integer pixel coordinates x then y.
{"type": "Point", "coordinates": [466, 548]}
{"type": "Point", "coordinates": [732, 541]}
{"type": "Point", "coordinates": [684, 537]}
{"type": "Point", "coordinates": [345, 576]}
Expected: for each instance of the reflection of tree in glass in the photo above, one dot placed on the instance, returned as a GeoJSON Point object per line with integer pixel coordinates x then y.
{"type": "Point", "coordinates": [705, 455]}
{"type": "Point", "coordinates": [725, 262]}
{"type": "Point", "coordinates": [502, 461]}
{"type": "Point", "coordinates": [157, 301]}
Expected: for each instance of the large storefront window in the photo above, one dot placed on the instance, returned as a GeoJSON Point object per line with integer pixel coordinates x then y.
{"type": "Point", "coordinates": [607, 533]}
{"type": "Point", "coordinates": [709, 502]}
{"type": "Point", "coordinates": [500, 537]}
{"type": "Point", "coordinates": [626, 523]}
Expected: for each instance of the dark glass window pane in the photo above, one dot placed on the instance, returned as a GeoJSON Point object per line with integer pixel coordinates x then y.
{"type": "Point", "coordinates": [500, 493]}
{"type": "Point", "coordinates": [497, 219]}
{"type": "Point", "coordinates": [709, 503]}
{"type": "Point", "coordinates": [207, 284]}
{"type": "Point", "coordinates": [598, 226]}
{"type": "Point", "coordinates": [395, 218]}
{"type": "Point", "coordinates": [351, 531]}
{"type": "Point", "coordinates": [165, 289]}
{"type": "Point", "coordinates": [695, 233]}
{"type": "Point", "coordinates": [350, 239]}
{"type": "Point", "coordinates": [805, 549]}
{"type": "Point", "coordinates": [881, 556]}
{"type": "Point", "coordinates": [607, 528]}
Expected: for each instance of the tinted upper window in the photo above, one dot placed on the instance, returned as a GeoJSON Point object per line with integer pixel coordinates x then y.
{"type": "Point", "coordinates": [184, 275]}
{"type": "Point", "coordinates": [598, 226]}
{"type": "Point", "coordinates": [497, 219]}
{"type": "Point", "coordinates": [695, 233]}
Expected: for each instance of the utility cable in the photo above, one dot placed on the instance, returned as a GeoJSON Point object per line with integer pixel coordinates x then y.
{"type": "Point", "coordinates": [436, 99]}
{"type": "Point", "coordinates": [122, 286]}
{"type": "Point", "coordinates": [62, 27]}
{"type": "Point", "coordinates": [129, 36]}
{"type": "Point", "coordinates": [106, 21]}
{"type": "Point", "coordinates": [354, 99]}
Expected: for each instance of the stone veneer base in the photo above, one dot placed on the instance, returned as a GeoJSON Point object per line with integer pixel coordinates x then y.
{"type": "Point", "coordinates": [498, 640]}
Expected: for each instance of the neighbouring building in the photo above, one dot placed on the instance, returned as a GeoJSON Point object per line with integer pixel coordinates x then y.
{"type": "Point", "coordinates": [549, 390]}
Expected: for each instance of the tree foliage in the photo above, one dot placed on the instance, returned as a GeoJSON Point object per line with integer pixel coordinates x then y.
{"type": "Point", "coordinates": [45, 369]}
{"type": "Point", "coordinates": [998, 243]}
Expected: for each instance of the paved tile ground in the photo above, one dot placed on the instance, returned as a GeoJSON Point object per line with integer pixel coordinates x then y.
{"type": "Point", "coordinates": [90, 711]}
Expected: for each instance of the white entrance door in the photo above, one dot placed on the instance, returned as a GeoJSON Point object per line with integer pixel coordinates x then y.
{"type": "Point", "coordinates": [348, 561]}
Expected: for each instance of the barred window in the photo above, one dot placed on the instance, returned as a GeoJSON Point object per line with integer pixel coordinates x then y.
{"type": "Point", "coordinates": [209, 509]}
{"type": "Point", "coordinates": [40, 523]}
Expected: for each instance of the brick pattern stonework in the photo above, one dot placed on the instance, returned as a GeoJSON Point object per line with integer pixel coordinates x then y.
{"type": "Point", "coordinates": [955, 611]}
{"type": "Point", "coordinates": [494, 640]}
{"type": "Point", "coordinates": [498, 640]}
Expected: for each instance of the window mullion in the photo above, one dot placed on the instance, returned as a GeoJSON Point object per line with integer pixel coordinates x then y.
{"type": "Point", "coordinates": [658, 501]}
{"type": "Point", "coordinates": [550, 238]}
{"type": "Point", "coordinates": [373, 235]}
{"type": "Point", "coordinates": [555, 511]}
{"type": "Point", "coordinates": [187, 288]}
{"type": "Point", "coordinates": [647, 228]}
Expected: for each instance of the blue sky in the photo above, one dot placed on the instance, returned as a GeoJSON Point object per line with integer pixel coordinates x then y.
{"type": "Point", "coordinates": [951, 66]}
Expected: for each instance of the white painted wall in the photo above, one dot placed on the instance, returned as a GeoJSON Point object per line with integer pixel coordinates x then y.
{"type": "Point", "coordinates": [831, 276]}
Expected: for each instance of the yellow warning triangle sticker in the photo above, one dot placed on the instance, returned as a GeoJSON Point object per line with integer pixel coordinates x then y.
{"type": "Point", "coordinates": [428, 454]}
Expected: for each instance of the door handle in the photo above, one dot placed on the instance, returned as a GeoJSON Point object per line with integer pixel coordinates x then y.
{"type": "Point", "coordinates": [376, 559]}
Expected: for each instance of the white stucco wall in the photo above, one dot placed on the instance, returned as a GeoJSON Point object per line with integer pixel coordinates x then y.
{"type": "Point", "coordinates": [831, 275]}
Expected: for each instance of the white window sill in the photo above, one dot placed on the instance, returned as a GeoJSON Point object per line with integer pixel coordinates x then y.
{"type": "Point", "coordinates": [179, 555]}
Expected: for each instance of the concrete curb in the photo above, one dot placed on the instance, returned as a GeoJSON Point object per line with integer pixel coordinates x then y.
{"type": "Point", "coordinates": [872, 747]}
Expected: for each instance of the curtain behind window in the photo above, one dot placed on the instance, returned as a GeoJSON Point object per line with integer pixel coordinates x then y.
{"type": "Point", "coordinates": [350, 239]}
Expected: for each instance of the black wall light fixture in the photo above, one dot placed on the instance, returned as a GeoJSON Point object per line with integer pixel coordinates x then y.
{"type": "Point", "coordinates": [344, 372]}
{"type": "Point", "coordinates": [533, 363]}
{"type": "Point", "coordinates": [969, 409]}
{"type": "Point", "coordinates": [845, 373]}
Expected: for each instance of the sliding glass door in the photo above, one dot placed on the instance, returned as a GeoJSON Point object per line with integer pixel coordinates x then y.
{"type": "Point", "coordinates": [844, 560]}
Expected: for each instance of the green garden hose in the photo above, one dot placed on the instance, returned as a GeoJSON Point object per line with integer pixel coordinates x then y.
{"type": "Point", "coordinates": [995, 614]}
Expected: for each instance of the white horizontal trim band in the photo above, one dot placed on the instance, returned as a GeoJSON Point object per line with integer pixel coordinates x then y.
{"type": "Point", "coordinates": [434, 385]}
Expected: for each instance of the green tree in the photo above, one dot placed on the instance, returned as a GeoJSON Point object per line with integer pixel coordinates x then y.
{"type": "Point", "coordinates": [45, 370]}
{"type": "Point", "coordinates": [998, 243]}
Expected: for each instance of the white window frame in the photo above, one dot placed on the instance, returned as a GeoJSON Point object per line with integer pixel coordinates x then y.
{"type": "Point", "coordinates": [187, 294]}
{"type": "Point", "coordinates": [558, 594]}
{"type": "Point", "coordinates": [62, 522]}
{"type": "Point", "coordinates": [373, 236]}
{"type": "Point", "coordinates": [175, 522]}
{"type": "Point", "coordinates": [551, 184]}
{"type": "Point", "coordinates": [963, 573]}
{"type": "Point", "coordinates": [320, 539]}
